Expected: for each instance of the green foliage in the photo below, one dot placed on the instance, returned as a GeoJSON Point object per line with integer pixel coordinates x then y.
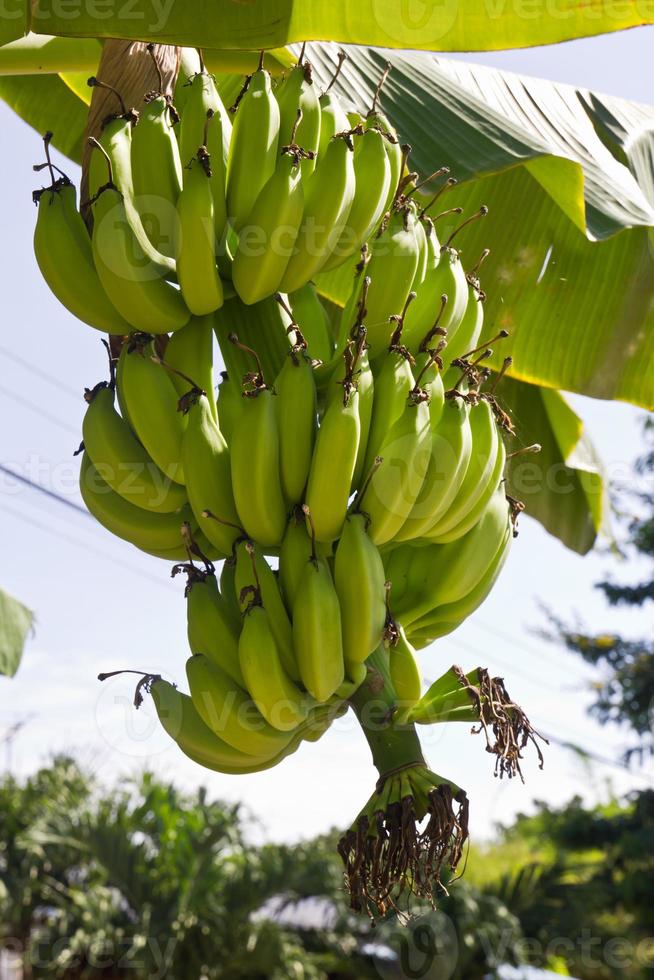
{"type": "Point", "coordinates": [16, 621]}
{"type": "Point", "coordinates": [625, 692]}
{"type": "Point", "coordinates": [587, 903]}
{"type": "Point", "coordinates": [140, 879]}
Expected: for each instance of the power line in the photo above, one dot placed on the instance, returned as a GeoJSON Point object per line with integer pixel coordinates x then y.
{"type": "Point", "coordinates": [509, 666]}
{"type": "Point", "coordinates": [44, 490]}
{"type": "Point", "coordinates": [37, 410]}
{"type": "Point", "coordinates": [602, 759]}
{"type": "Point", "coordinates": [77, 543]}
{"type": "Point", "coordinates": [43, 375]}
{"type": "Point", "coordinates": [518, 642]}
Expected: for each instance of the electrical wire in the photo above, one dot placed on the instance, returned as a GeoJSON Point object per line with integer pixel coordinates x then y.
{"type": "Point", "coordinates": [43, 375]}
{"type": "Point", "coordinates": [518, 642]}
{"type": "Point", "coordinates": [77, 543]}
{"type": "Point", "coordinates": [38, 410]}
{"type": "Point", "coordinates": [44, 490]}
{"type": "Point", "coordinates": [602, 759]}
{"type": "Point", "coordinates": [539, 682]}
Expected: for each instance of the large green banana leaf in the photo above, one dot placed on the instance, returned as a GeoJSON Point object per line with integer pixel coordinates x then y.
{"type": "Point", "coordinates": [15, 623]}
{"type": "Point", "coordinates": [446, 25]}
{"type": "Point", "coordinates": [562, 486]}
{"type": "Point", "coordinates": [571, 271]}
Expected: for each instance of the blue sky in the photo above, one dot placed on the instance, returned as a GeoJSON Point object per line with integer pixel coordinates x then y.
{"type": "Point", "coordinates": [102, 605]}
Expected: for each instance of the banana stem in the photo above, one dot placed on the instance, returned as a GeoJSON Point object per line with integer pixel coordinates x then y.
{"type": "Point", "coordinates": [374, 704]}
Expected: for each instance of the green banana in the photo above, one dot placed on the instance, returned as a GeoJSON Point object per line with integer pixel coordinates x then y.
{"type": "Point", "coordinates": [377, 120]}
{"type": "Point", "coordinates": [278, 699]}
{"type": "Point", "coordinates": [228, 587]}
{"type": "Point", "coordinates": [333, 120]}
{"type": "Point", "coordinates": [366, 390]}
{"type": "Point", "coordinates": [335, 455]}
{"type": "Point", "coordinates": [212, 625]}
{"type": "Point", "coordinates": [351, 319]}
{"type": "Point", "coordinates": [116, 141]}
{"type": "Point", "coordinates": [429, 377]}
{"type": "Point", "coordinates": [328, 199]}
{"type": "Point", "coordinates": [151, 402]}
{"type": "Point", "coordinates": [197, 271]}
{"type": "Point", "coordinates": [63, 252]}
{"type": "Point", "coordinates": [360, 586]}
{"type": "Point", "coordinates": [428, 308]}
{"type": "Point", "coordinates": [355, 675]}
{"type": "Point", "coordinates": [448, 617]}
{"type": "Point", "coordinates": [294, 556]}
{"type": "Point", "coordinates": [297, 421]}
{"type": "Point", "coordinates": [268, 235]}
{"type": "Point", "coordinates": [230, 713]}
{"type": "Point", "coordinates": [396, 482]}
{"type": "Point", "coordinates": [206, 465]}
{"type": "Point", "coordinates": [189, 352]}
{"type": "Point", "coordinates": [474, 514]}
{"type": "Point", "coordinates": [147, 530]}
{"type": "Point", "coordinates": [405, 675]}
{"type": "Point", "coordinates": [394, 255]}
{"type": "Point", "coordinates": [157, 172]}
{"type": "Point", "coordinates": [255, 468]}
{"type": "Point", "coordinates": [203, 102]}
{"type": "Point", "coordinates": [425, 252]}
{"type": "Point", "coordinates": [480, 471]}
{"type": "Point", "coordinates": [205, 121]}
{"type": "Point", "coordinates": [444, 276]}
{"type": "Point", "coordinates": [253, 147]}
{"type": "Point", "coordinates": [393, 382]}
{"type": "Point", "coordinates": [451, 447]}
{"type": "Point", "coordinates": [297, 92]}
{"type": "Point", "coordinates": [372, 174]}
{"type": "Point", "coordinates": [228, 405]}
{"type": "Point", "coordinates": [313, 320]}
{"type": "Point", "coordinates": [442, 574]}
{"type": "Point", "coordinates": [255, 577]}
{"type": "Point", "coordinates": [121, 460]}
{"type": "Point", "coordinates": [134, 286]}
{"type": "Point", "coordinates": [468, 334]}
{"type": "Point", "coordinates": [181, 720]}
{"type": "Point", "coordinates": [317, 635]}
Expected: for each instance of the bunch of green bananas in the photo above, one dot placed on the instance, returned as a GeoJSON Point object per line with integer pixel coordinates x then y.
{"type": "Point", "coordinates": [377, 490]}
{"type": "Point", "coordinates": [186, 209]}
{"type": "Point", "coordinates": [347, 470]}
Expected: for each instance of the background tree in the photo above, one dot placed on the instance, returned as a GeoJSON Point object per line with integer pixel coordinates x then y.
{"type": "Point", "coordinates": [625, 692]}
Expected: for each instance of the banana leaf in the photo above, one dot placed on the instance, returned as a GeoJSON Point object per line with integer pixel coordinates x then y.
{"type": "Point", "coordinates": [453, 25]}
{"type": "Point", "coordinates": [15, 623]}
{"type": "Point", "coordinates": [571, 272]}
{"type": "Point", "coordinates": [562, 486]}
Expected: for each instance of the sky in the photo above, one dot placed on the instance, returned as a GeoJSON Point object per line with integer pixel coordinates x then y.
{"type": "Point", "coordinates": [102, 605]}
